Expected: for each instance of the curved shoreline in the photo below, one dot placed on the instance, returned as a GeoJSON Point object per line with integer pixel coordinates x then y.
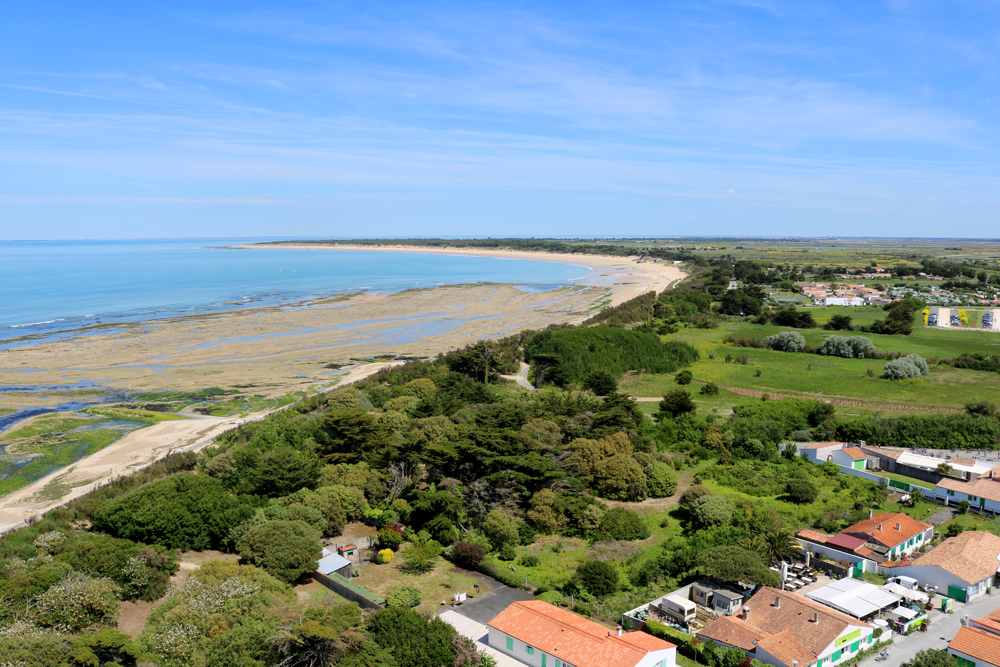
{"type": "Point", "coordinates": [649, 276]}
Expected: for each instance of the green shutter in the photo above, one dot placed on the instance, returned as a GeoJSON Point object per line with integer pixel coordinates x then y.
{"type": "Point", "coordinates": [964, 662]}
{"type": "Point", "coordinates": [530, 650]}
{"type": "Point", "coordinates": [855, 646]}
{"type": "Point", "coordinates": [510, 643]}
{"type": "Point", "coordinates": [836, 655]}
{"type": "Point", "coordinates": [543, 659]}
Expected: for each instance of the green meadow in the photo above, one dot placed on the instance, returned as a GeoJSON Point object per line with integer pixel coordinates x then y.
{"type": "Point", "coordinates": [833, 377]}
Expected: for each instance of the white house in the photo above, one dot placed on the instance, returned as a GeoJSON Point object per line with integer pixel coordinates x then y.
{"type": "Point", "coordinates": [978, 643]}
{"type": "Point", "coordinates": [849, 457]}
{"type": "Point", "coordinates": [820, 452]}
{"type": "Point", "coordinates": [982, 489]}
{"type": "Point", "coordinates": [788, 630]}
{"type": "Point", "coordinates": [960, 567]}
{"type": "Point", "coordinates": [543, 635]}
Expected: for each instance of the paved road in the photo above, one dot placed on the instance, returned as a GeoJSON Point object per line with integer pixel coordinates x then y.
{"type": "Point", "coordinates": [522, 377]}
{"type": "Point", "coordinates": [942, 629]}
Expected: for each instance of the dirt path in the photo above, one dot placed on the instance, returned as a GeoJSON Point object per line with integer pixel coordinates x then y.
{"type": "Point", "coordinates": [659, 505]}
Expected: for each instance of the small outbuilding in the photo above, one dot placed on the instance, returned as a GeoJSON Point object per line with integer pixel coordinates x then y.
{"type": "Point", "coordinates": [332, 563]}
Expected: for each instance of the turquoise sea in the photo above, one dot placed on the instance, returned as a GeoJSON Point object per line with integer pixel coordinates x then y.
{"type": "Point", "coordinates": [52, 286]}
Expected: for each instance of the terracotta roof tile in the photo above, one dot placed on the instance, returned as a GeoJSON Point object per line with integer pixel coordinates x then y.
{"type": "Point", "coordinates": [813, 536]}
{"type": "Point", "coordinates": [972, 556]}
{"type": "Point", "coordinates": [786, 648]}
{"type": "Point", "coordinates": [794, 615]}
{"type": "Point", "coordinates": [984, 487]}
{"type": "Point", "coordinates": [854, 453]}
{"type": "Point", "coordinates": [963, 461]}
{"type": "Point", "coordinates": [881, 528]}
{"type": "Point", "coordinates": [979, 644]}
{"type": "Point", "coordinates": [572, 638]}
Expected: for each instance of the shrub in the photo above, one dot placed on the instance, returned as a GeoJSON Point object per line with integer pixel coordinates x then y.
{"type": "Point", "coordinates": [855, 347]}
{"type": "Point", "coordinates": [684, 377]}
{"type": "Point", "coordinates": [620, 523]}
{"type": "Point", "coordinates": [802, 435]}
{"type": "Point", "coordinates": [801, 491]}
{"type": "Point", "coordinates": [597, 577]}
{"type": "Point", "coordinates": [552, 597]}
{"type": "Point", "coordinates": [676, 403]}
{"type": "Point", "coordinates": [601, 382]}
{"type": "Point", "coordinates": [284, 549]}
{"type": "Point", "coordinates": [501, 529]}
{"type": "Point", "coordinates": [407, 596]}
{"type": "Point", "coordinates": [710, 389]}
{"type": "Point", "coordinates": [468, 555]}
{"type": "Point", "coordinates": [692, 494]}
{"type": "Point", "coordinates": [963, 508]}
{"type": "Point", "coordinates": [388, 538]}
{"type": "Point", "coordinates": [713, 510]}
{"type": "Point", "coordinates": [905, 368]}
{"type": "Point", "coordinates": [529, 561]}
{"type": "Point", "coordinates": [420, 556]}
{"type": "Point", "coordinates": [786, 341]}
{"type": "Point", "coordinates": [661, 480]}
{"type": "Point", "coordinates": [78, 601]}
{"type": "Point", "coordinates": [384, 556]}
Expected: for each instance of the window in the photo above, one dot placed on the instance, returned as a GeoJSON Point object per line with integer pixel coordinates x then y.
{"type": "Point", "coordinates": [962, 662]}
{"type": "Point", "coordinates": [510, 643]}
{"type": "Point", "coordinates": [530, 650]}
{"type": "Point", "coordinates": [950, 492]}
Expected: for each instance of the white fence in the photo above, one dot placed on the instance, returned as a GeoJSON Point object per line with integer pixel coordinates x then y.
{"type": "Point", "coordinates": [893, 484]}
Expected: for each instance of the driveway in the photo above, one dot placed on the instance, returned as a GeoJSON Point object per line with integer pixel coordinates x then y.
{"type": "Point", "coordinates": [942, 629]}
{"type": "Point", "coordinates": [945, 515]}
{"type": "Point", "coordinates": [477, 632]}
{"type": "Point", "coordinates": [483, 608]}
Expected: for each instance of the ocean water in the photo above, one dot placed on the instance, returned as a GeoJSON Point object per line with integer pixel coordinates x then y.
{"type": "Point", "coordinates": [52, 286]}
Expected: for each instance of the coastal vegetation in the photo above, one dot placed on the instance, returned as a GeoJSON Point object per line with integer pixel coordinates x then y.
{"type": "Point", "coordinates": [573, 490]}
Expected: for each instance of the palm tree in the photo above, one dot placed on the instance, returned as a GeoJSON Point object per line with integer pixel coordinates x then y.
{"type": "Point", "coordinates": [780, 543]}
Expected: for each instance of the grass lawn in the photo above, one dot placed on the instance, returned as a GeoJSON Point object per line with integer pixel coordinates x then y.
{"type": "Point", "coordinates": [132, 414]}
{"type": "Point", "coordinates": [971, 522]}
{"type": "Point", "coordinates": [437, 585]}
{"type": "Point", "coordinates": [903, 478]}
{"type": "Point", "coordinates": [684, 661]}
{"type": "Point", "coordinates": [920, 511]}
{"type": "Point", "coordinates": [801, 373]}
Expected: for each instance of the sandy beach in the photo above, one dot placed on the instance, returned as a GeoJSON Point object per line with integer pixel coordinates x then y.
{"type": "Point", "coordinates": [627, 277]}
{"type": "Point", "coordinates": [271, 351]}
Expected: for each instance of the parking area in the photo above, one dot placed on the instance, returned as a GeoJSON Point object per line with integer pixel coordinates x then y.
{"type": "Point", "coordinates": [484, 607]}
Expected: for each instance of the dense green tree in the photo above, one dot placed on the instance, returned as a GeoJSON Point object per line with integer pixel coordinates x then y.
{"type": "Point", "coordinates": [283, 549]}
{"type": "Point", "coordinates": [620, 523]}
{"type": "Point", "coordinates": [601, 382]}
{"type": "Point", "coordinates": [731, 563]}
{"type": "Point", "coordinates": [661, 480]}
{"type": "Point", "coordinates": [932, 657]}
{"type": "Point", "coordinates": [684, 377]}
{"type": "Point", "coordinates": [413, 640]}
{"type": "Point", "coordinates": [676, 402]}
{"type": "Point", "coordinates": [184, 512]}
{"type": "Point", "coordinates": [275, 471]}
{"type": "Point", "coordinates": [713, 510]}
{"type": "Point", "coordinates": [801, 491]}
{"type": "Point", "coordinates": [501, 529]}
{"type": "Point", "coordinates": [597, 577]}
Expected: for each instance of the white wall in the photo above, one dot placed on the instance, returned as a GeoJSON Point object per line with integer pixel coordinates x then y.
{"type": "Point", "coordinates": [836, 555]}
{"type": "Point", "coordinates": [498, 640]}
{"type": "Point", "coordinates": [957, 497]}
{"type": "Point", "coordinates": [932, 575]}
{"type": "Point", "coordinates": [653, 658]}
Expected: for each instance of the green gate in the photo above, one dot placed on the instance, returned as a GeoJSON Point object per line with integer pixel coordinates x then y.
{"type": "Point", "coordinates": [956, 593]}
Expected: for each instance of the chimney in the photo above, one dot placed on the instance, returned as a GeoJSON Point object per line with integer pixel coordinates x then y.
{"type": "Point", "coordinates": [815, 617]}
{"type": "Point", "coordinates": [869, 515]}
{"type": "Point", "coordinates": [746, 613]}
{"type": "Point", "coordinates": [777, 602]}
{"type": "Point", "coordinates": [619, 632]}
{"type": "Point", "coordinates": [879, 527]}
{"type": "Point", "coordinates": [899, 526]}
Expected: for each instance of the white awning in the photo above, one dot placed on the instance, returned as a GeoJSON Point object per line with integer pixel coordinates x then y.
{"type": "Point", "coordinates": [905, 592]}
{"type": "Point", "coordinates": [905, 612]}
{"type": "Point", "coordinates": [853, 597]}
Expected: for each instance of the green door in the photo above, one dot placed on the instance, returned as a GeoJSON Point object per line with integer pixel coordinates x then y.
{"type": "Point", "coordinates": [543, 660]}
{"type": "Point", "coordinates": [956, 593]}
{"type": "Point", "coordinates": [855, 646]}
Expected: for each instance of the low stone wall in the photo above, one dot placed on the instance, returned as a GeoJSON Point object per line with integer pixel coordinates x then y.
{"type": "Point", "coordinates": [347, 589]}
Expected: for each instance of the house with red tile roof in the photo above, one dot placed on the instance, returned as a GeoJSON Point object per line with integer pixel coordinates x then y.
{"type": "Point", "coordinates": [898, 533]}
{"type": "Point", "coordinates": [978, 643]}
{"type": "Point", "coordinates": [980, 490]}
{"type": "Point", "coordinates": [788, 630]}
{"type": "Point", "coordinates": [960, 567]}
{"type": "Point", "coordinates": [543, 635]}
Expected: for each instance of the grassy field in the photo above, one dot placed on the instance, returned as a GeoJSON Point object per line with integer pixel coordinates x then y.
{"type": "Point", "coordinates": [972, 522]}
{"type": "Point", "coordinates": [903, 478]}
{"type": "Point", "coordinates": [801, 373]}
{"type": "Point", "coordinates": [437, 585]}
{"type": "Point", "coordinates": [134, 415]}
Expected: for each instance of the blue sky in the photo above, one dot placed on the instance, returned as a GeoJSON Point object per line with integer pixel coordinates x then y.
{"type": "Point", "coordinates": [749, 117]}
